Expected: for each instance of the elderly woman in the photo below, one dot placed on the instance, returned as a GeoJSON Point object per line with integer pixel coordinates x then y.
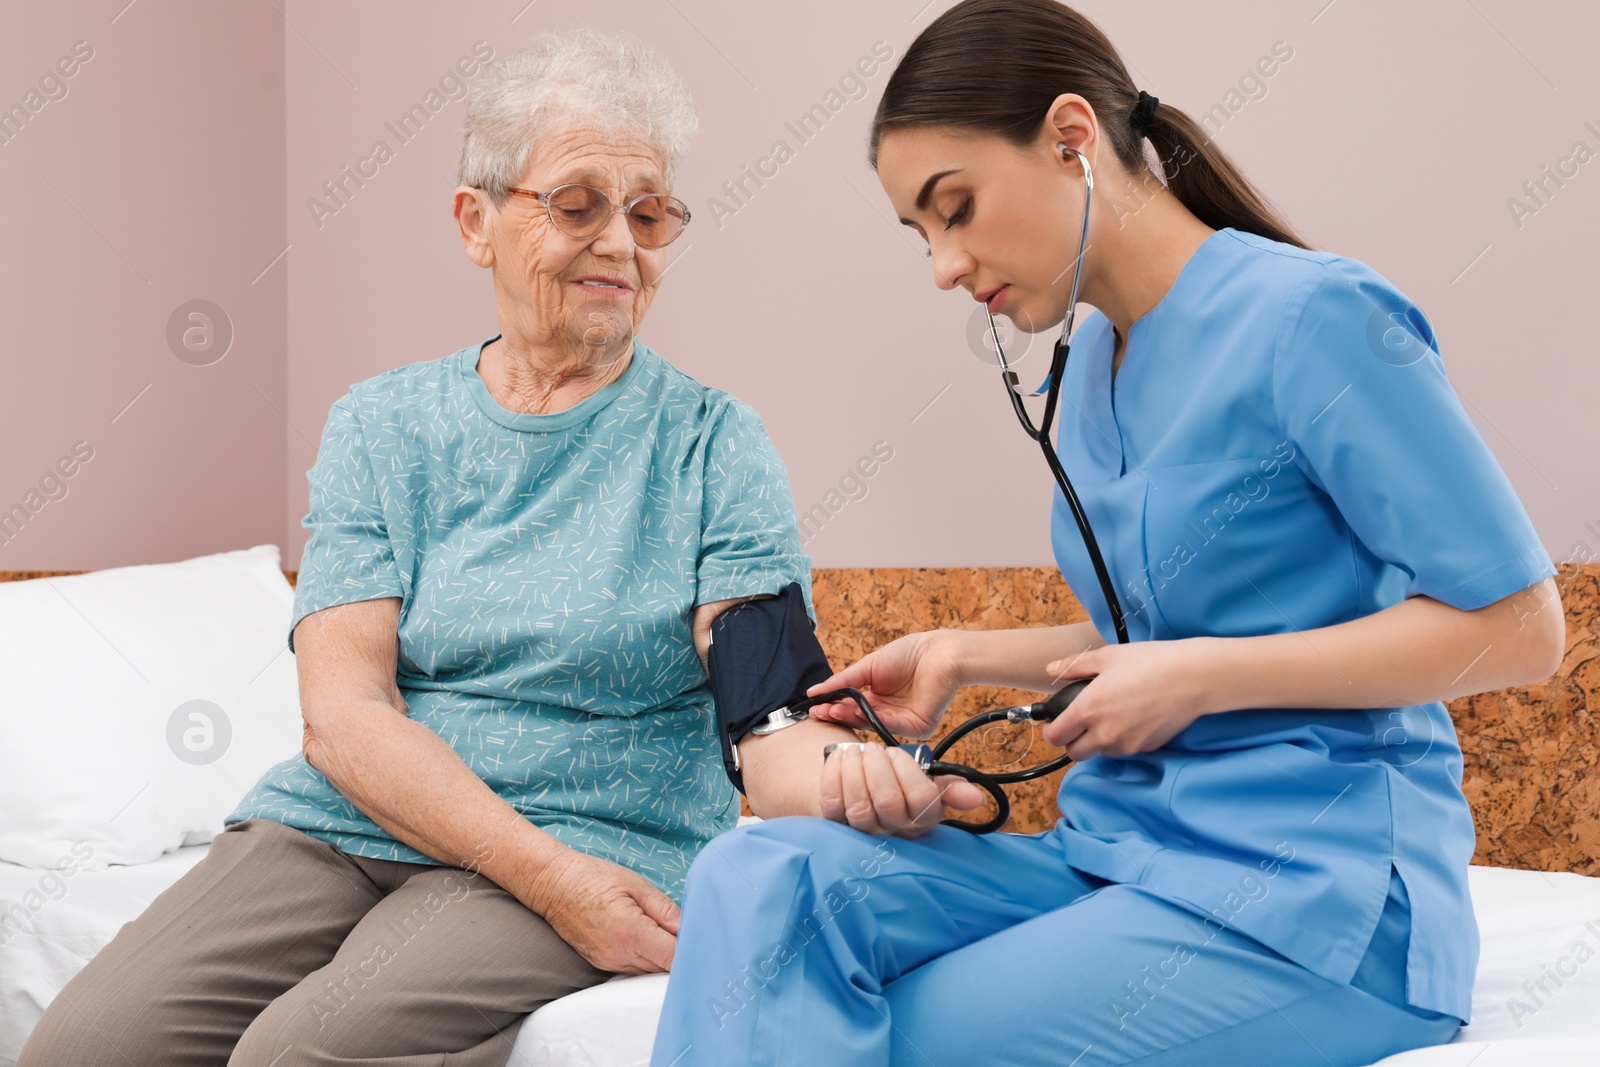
{"type": "Point", "coordinates": [515, 552]}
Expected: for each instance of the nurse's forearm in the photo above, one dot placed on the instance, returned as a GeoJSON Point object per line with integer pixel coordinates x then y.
{"type": "Point", "coordinates": [1016, 658]}
{"type": "Point", "coordinates": [1414, 652]}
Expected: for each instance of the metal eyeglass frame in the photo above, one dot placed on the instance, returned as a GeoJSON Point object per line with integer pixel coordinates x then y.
{"type": "Point", "coordinates": [544, 198]}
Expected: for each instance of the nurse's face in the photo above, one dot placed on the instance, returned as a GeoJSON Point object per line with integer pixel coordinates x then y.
{"type": "Point", "coordinates": [1001, 222]}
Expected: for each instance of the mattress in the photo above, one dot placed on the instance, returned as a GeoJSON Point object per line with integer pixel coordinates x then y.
{"type": "Point", "coordinates": [1536, 1001]}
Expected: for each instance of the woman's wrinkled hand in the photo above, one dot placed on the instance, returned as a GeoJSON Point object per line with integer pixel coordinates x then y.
{"type": "Point", "coordinates": [613, 916]}
{"type": "Point", "coordinates": [881, 790]}
{"type": "Point", "coordinates": [910, 682]}
{"type": "Point", "coordinates": [1142, 695]}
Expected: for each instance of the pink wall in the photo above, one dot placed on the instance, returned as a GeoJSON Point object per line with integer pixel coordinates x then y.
{"type": "Point", "coordinates": [152, 178]}
{"type": "Point", "coordinates": [1398, 134]}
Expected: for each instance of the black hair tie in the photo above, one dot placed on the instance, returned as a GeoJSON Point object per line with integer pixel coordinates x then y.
{"type": "Point", "coordinates": [1143, 112]}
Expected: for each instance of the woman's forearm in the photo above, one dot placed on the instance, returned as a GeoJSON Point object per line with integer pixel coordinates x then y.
{"type": "Point", "coordinates": [1414, 652]}
{"type": "Point", "coordinates": [1017, 658]}
{"type": "Point", "coordinates": [414, 785]}
{"type": "Point", "coordinates": [782, 771]}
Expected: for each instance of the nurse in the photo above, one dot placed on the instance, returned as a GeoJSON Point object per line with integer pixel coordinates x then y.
{"type": "Point", "coordinates": [1263, 849]}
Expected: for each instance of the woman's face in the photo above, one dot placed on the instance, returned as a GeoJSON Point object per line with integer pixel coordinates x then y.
{"type": "Point", "coordinates": [540, 272]}
{"type": "Point", "coordinates": [1002, 221]}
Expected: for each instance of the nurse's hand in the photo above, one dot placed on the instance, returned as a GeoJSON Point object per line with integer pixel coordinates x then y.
{"type": "Point", "coordinates": [910, 682]}
{"type": "Point", "coordinates": [881, 790]}
{"type": "Point", "coordinates": [1143, 695]}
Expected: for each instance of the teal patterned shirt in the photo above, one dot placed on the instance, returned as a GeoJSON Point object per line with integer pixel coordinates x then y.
{"type": "Point", "coordinates": [548, 567]}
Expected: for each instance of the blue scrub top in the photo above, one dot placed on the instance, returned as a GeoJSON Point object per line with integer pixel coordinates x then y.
{"type": "Point", "coordinates": [1279, 451]}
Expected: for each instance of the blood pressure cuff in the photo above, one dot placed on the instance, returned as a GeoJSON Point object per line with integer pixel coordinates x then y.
{"type": "Point", "coordinates": [764, 655]}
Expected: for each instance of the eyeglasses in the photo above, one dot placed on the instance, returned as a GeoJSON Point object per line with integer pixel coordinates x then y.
{"type": "Point", "coordinates": [582, 211]}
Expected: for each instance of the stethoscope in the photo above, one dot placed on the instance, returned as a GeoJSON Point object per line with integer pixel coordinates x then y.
{"type": "Point", "coordinates": [929, 756]}
{"type": "Point", "coordinates": [1041, 433]}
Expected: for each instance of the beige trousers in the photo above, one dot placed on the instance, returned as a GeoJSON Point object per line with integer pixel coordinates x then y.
{"type": "Point", "coordinates": [278, 949]}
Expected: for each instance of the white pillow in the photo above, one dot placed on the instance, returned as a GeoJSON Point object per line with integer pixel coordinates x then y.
{"type": "Point", "coordinates": [104, 755]}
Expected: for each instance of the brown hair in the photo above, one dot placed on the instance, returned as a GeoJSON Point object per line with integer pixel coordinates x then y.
{"type": "Point", "coordinates": [995, 66]}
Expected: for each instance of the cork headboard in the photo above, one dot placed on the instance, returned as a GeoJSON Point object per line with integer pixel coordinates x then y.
{"type": "Point", "coordinates": [1529, 751]}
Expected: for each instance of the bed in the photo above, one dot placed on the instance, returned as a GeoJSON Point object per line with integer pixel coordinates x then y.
{"type": "Point", "coordinates": [138, 824]}
{"type": "Point", "coordinates": [1532, 924]}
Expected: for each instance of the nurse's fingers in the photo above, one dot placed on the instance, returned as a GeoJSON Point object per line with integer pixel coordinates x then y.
{"type": "Point", "coordinates": [843, 712]}
{"type": "Point", "coordinates": [856, 675]}
{"type": "Point", "coordinates": [888, 788]}
{"type": "Point", "coordinates": [832, 795]}
{"type": "Point", "coordinates": [1085, 743]}
{"type": "Point", "coordinates": [859, 810]}
{"type": "Point", "coordinates": [1084, 664]}
{"type": "Point", "coordinates": [1067, 727]}
{"type": "Point", "coordinates": [836, 791]}
{"type": "Point", "coordinates": [959, 793]}
{"type": "Point", "coordinates": [924, 797]}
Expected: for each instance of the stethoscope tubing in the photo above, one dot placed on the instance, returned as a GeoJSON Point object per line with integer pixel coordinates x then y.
{"type": "Point", "coordinates": [1041, 434]}
{"type": "Point", "coordinates": [929, 757]}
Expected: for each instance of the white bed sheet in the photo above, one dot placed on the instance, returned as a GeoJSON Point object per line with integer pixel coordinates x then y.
{"type": "Point", "coordinates": [1528, 922]}
{"type": "Point", "coordinates": [1533, 925]}
{"type": "Point", "coordinates": [50, 926]}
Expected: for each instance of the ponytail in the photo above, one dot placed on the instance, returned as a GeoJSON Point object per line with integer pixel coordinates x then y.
{"type": "Point", "coordinates": [1206, 182]}
{"type": "Point", "coordinates": [995, 66]}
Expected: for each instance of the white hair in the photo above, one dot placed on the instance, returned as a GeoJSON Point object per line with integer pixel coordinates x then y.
{"type": "Point", "coordinates": [614, 85]}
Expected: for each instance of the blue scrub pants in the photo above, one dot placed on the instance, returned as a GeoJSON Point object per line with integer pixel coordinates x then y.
{"type": "Point", "coordinates": [804, 941]}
